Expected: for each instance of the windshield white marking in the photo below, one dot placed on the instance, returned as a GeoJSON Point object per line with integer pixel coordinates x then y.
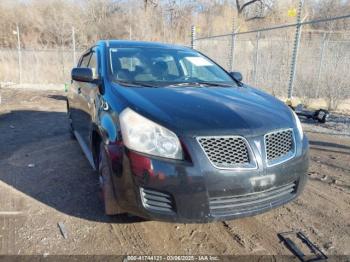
{"type": "Point", "coordinates": [199, 61]}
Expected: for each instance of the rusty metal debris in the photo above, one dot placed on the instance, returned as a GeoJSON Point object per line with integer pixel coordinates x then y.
{"type": "Point", "coordinates": [63, 230]}
{"type": "Point", "coordinates": [320, 115]}
{"type": "Point", "coordinates": [315, 253]}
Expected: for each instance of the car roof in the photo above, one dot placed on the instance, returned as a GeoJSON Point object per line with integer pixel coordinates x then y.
{"type": "Point", "coordinates": [128, 43]}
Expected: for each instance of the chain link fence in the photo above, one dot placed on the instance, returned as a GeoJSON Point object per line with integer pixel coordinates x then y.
{"type": "Point", "coordinates": [37, 66]}
{"type": "Point", "coordinates": [311, 64]}
{"type": "Point", "coordinates": [32, 66]}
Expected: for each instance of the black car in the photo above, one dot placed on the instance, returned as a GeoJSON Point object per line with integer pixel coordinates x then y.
{"type": "Point", "coordinates": [175, 137]}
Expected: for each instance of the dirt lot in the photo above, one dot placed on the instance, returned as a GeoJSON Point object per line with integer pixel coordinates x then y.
{"type": "Point", "coordinates": [45, 179]}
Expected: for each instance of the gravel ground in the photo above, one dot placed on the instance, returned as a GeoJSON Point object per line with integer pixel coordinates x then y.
{"type": "Point", "coordinates": [45, 179]}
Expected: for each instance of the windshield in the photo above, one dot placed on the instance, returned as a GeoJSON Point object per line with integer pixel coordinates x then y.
{"type": "Point", "coordinates": [164, 67]}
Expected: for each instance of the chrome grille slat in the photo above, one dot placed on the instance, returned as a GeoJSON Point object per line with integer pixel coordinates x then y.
{"type": "Point", "coordinates": [253, 196]}
{"type": "Point", "coordinates": [156, 200]}
{"type": "Point", "coordinates": [152, 192]}
{"type": "Point", "coordinates": [279, 146]}
{"type": "Point", "coordinates": [158, 204]}
{"type": "Point", "coordinates": [253, 201]}
{"type": "Point", "coordinates": [227, 152]}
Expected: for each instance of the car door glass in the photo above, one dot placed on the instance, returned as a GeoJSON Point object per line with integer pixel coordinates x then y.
{"type": "Point", "coordinates": [85, 60]}
{"type": "Point", "coordinates": [93, 61]}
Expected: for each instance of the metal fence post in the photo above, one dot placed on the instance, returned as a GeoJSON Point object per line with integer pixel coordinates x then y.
{"type": "Point", "coordinates": [295, 50]}
{"type": "Point", "coordinates": [232, 52]}
{"type": "Point", "coordinates": [256, 58]}
{"type": "Point", "coordinates": [232, 49]}
{"type": "Point", "coordinates": [19, 55]}
{"type": "Point", "coordinates": [193, 36]}
{"type": "Point", "coordinates": [62, 63]}
{"type": "Point", "coordinates": [73, 43]}
{"type": "Point", "coordinates": [324, 42]}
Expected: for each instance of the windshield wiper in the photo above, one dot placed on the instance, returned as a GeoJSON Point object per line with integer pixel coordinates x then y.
{"type": "Point", "coordinates": [197, 84]}
{"type": "Point", "coordinates": [200, 84]}
{"type": "Point", "coordinates": [215, 84]}
{"type": "Point", "coordinates": [134, 83]}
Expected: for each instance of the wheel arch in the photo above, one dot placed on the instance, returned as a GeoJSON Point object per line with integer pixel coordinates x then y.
{"type": "Point", "coordinates": [96, 139]}
{"type": "Point", "coordinates": [67, 104]}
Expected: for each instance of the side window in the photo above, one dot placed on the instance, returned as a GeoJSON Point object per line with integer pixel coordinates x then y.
{"type": "Point", "coordinates": [93, 61]}
{"type": "Point", "coordinates": [85, 60]}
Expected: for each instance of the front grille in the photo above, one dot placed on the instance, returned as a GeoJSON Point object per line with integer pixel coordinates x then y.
{"type": "Point", "coordinates": [227, 151]}
{"type": "Point", "coordinates": [157, 201]}
{"type": "Point", "coordinates": [279, 146]}
{"type": "Point", "coordinates": [251, 202]}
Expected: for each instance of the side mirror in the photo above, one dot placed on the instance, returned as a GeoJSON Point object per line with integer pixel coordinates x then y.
{"type": "Point", "coordinates": [237, 76]}
{"type": "Point", "coordinates": [83, 74]}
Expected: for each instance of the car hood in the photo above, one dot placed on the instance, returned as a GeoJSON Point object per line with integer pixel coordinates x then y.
{"type": "Point", "coordinates": [209, 110]}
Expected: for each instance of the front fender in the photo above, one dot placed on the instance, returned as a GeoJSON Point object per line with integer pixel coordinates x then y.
{"type": "Point", "coordinates": [109, 132]}
{"type": "Point", "coordinates": [109, 128]}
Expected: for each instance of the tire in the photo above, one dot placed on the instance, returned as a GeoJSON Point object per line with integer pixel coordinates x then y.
{"type": "Point", "coordinates": [109, 200]}
{"type": "Point", "coordinates": [322, 115]}
{"type": "Point", "coordinates": [71, 129]}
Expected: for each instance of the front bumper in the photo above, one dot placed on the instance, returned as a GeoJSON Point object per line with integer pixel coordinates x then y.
{"type": "Point", "coordinates": [198, 192]}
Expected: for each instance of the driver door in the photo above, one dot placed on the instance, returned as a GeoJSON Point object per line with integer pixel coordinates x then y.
{"type": "Point", "coordinates": [77, 103]}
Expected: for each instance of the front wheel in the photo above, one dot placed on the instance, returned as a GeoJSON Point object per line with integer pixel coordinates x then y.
{"type": "Point", "coordinates": [111, 206]}
{"type": "Point", "coordinates": [70, 122]}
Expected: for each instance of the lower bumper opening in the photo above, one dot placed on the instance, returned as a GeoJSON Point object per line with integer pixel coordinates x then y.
{"type": "Point", "coordinates": [232, 205]}
{"type": "Point", "coordinates": [157, 201]}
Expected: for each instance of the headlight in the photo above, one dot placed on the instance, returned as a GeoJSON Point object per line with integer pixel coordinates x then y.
{"type": "Point", "coordinates": [300, 129]}
{"type": "Point", "coordinates": [145, 136]}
